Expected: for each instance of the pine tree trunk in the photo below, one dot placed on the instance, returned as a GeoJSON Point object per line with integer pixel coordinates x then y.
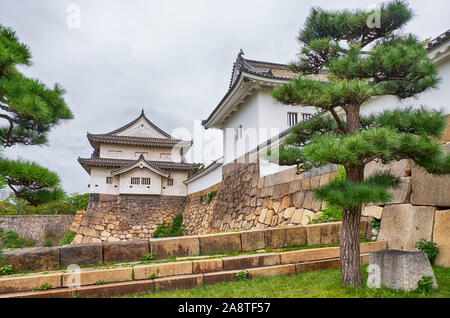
{"type": "Point", "coordinates": [351, 218]}
{"type": "Point", "coordinates": [350, 252]}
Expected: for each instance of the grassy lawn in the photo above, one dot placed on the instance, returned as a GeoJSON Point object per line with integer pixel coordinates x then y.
{"type": "Point", "coordinates": [320, 284]}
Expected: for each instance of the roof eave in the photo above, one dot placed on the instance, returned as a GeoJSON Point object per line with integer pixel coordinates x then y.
{"type": "Point", "coordinates": [216, 116]}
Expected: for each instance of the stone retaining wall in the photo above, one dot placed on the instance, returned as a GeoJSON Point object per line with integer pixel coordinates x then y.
{"type": "Point", "coordinates": [35, 226]}
{"type": "Point", "coordinates": [246, 201]}
{"type": "Point", "coordinates": [92, 254]}
{"type": "Point", "coordinates": [128, 219]}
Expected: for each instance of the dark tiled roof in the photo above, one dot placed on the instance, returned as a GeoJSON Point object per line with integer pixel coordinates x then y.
{"type": "Point", "coordinates": [141, 157]}
{"type": "Point", "coordinates": [142, 115]}
{"type": "Point", "coordinates": [264, 69]}
{"type": "Point", "coordinates": [163, 142]}
{"type": "Point", "coordinates": [438, 40]}
{"type": "Point", "coordinates": [119, 163]}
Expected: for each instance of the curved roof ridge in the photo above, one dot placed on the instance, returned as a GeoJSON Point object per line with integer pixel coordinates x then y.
{"type": "Point", "coordinates": [142, 115]}
{"type": "Point", "coordinates": [141, 158]}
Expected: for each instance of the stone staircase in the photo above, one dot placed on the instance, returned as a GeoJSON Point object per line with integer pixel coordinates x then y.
{"type": "Point", "coordinates": [137, 278]}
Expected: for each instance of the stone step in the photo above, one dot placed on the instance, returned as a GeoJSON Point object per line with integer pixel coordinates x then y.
{"type": "Point", "coordinates": [137, 287]}
{"type": "Point", "coordinates": [108, 276]}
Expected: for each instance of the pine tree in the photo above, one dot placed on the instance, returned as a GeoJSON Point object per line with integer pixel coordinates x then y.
{"type": "Point", "coordinates": [360, 62]}
{"type": "Point", "coordinates": [30, 110]}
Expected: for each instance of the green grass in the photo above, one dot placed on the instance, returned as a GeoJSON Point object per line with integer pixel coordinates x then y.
{"type": "Point", "coordinates": [319, 284]}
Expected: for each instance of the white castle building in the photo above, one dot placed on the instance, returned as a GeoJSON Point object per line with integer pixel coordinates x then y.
{"type": "Point", "coordinates": [138, 159]}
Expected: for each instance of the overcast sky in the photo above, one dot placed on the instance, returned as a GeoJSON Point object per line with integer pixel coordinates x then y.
{"type": "Point", "coordinates": [172, 58]}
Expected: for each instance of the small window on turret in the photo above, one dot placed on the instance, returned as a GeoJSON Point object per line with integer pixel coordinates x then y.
{"type": "Point", "coordinates": [135, 180]}
{"type": "Point", "coordinates": [146, 181]}
{"type": "Point", "coordinates": [170, 182]}
{"type": "Point", "coordinates": [109, 180]}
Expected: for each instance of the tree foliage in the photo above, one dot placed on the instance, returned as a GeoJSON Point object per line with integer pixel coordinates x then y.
{"type": "Point", "coordinates": [357, 62]}
{"type": "Point", "coordinates": [29, 111]}
{"type": "Point", "coordinates": [174, 228]}
{"type": "Point", "coordinates": [68, 204]}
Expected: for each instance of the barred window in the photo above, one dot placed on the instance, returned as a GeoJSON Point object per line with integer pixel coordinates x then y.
{"type": "Point", "coordinates": [170, 182]}
{"type": "Point", "coordinates": [306, 116]}
{"type": "Point", "coordinates": [292, 119]}
{"type": "Point", "coordinates": [146, 181]}
{"type": "Point", "coordinates": [135, 180]}
{"type": "Point", "coordinates": [109, 180]}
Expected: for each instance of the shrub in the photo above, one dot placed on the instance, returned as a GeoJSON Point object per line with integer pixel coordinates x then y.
{"type": "Point", "coordinates": [242, 275]}
{"type": "Point", "coordinates": [332, 213]}
{"type": "Point", "coordinates": [162, 230]}
{"type": "Point", "coordinates": [153, 276]}
{"type": "Point", "coordinates": [376, 224]}
{"type": "Point", "coordinates": [69, 204]}
{"type": "Point", "coordinates": [174, 228]}
{"type": "Point", "coordinates": [67, 238]}
{"type": "Point", "coordinates": [148, 257]}
{"type": "Point", "coordinates": [48, 244]}
{"type": "Point", "coordinates": [211, 195]}
{"type": "Point", "coordinates": [6, 270]}
{"type": "Point", "coordinates": [201, 199]}
{"type": "Point", "coordinates": [11, 239]}
{"type": "Point", "coordinates": [101, 282]}
{"type": "Point", "coordinates": [49, 234]}
{"type": "Point", "coordinates": [45, 286]}
{"type": "Point", "coordinates": [430, 248]}
{"type": "Point", "coordinates": [425, 285]}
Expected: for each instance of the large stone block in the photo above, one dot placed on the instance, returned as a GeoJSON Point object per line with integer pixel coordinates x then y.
{"type": "Point", "coordinates": [373, 211]}
{"type": "Point", "coordinates": [220, 243]}
{"type": "Point", "coordinates": [295, 236]}
{"type": "Point", "coordinates": [33, 259]}
{"type": "Point", "coordinates": [116, 289]}
{"type": "Point", "coordinates": [162, 270]}
{"type": "Point", "coordinates": [252, 240]}
{"type": "Point", "coordinates": [317, 265]}
{"type": "Point", "coordinates": [403, 193]}
{"type": "Point", "coordinates": [26, 283]}
{"type": "Point", "coordinates": [326, 233]}
{"type": "Point", "coordinates": [249, 261]}
{"type": "Point", "coordinates": [298, 198]}
{"type": "Point", "coordinates": [181, 282]}
{"type": "Point", "coordinates": [428, 189]}
{"type": "Point", "coordinates": [401, 168]}
{"type": "Point", "coordinates": [403, 225]}
{"type": "Point", "coordinates": [306, 216]}
{"type": "Point", "coordinates": [90, 277]}
{"type": "Point", "coordinates": [330, 233]}
{"type": "Point", "coordinates": [309, 255]}
{"type": "Point", "coordinates": [165, 248]}
{"type": "Point", "coordinates": [277, 270]}
{"type": "Point", "coordinates": [124, 251]}
{"type": "Point", "coordinates": [81, 254]}
{"type": "Point", "coordinates": [50, 293]}
{"type": "Point", "coordinates": [275, 238]}
{"type": "Point", "coordinates": [441, 236]}
{"type": "Point", "coordinates": [207, 265]}
{"type": "Point", "coordinates": [218, 277]}
{"type": "Point", "coordinates": [399, 269]}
